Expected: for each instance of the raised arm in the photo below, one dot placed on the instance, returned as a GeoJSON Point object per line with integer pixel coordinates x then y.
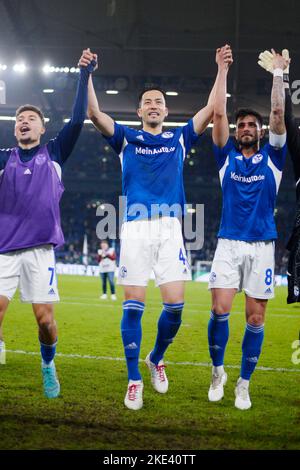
{"type": "Point", "coordinates": [205, 115]}
{"type": "Point", "coordinates": [61, 147]}
{"type": "Point", "coordinates": [220, 133]}
{"type": "Point", "coordinates": [102, 122]}
{"type": "Point", "coordinates": [277, 125]}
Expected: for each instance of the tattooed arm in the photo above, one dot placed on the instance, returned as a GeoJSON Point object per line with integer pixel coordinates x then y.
{"type": "Point", "coordinates": [277, 125]}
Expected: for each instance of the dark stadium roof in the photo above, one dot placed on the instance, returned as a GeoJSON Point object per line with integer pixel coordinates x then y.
{"type": "Point", "coordinates": [171, 43]}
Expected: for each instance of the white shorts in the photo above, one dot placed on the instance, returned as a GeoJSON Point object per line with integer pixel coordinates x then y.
{"type": "Point", "coordinates": [156, 245]}
{"type": "Point", "coordinates": [33, 271]}
{"type": "Point", "coordinates": [247, 266]}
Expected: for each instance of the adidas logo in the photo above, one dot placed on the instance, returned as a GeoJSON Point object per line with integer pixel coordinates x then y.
{"type": "Point", "coordinates": [268, 291]}
{"type": "Point", "coordinates": [169, 340]}
{"type": "Point", "coordinates": [140, 137]}
{"type": "Point", "coordinates": [252, 359]}
{"type": "Point", "coordinates": [215, 346]}
{"type": "Point", "coordinates": [27, 172]}
{"type": "Point", "coordinates": [51, 292]}
{"type": "Point", "coordinates": [131, 346]}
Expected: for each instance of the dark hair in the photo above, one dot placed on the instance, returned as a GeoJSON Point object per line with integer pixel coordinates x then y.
{"type": "Point", "coordinates": [149, 88]}
{"type": "Point", "coordinates": [30, 107]}
{"type": "Point", "coordinates": [241, 113]}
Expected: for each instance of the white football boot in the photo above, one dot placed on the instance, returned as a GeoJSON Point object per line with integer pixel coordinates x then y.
{"type": "Point", "coordinates": [242, 398]}
{"type": "Point", "coordinates": [134, 395]}
{"type": "Point", "coordinates": [216, 389]}
{"type": "Point", "coordinates": [159, 378]}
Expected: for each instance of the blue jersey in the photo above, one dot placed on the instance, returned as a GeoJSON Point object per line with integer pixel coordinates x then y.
{"type": "Point", "coordinates": [152, 168]}
{"type": "Point", "coordinates": [249, 186]}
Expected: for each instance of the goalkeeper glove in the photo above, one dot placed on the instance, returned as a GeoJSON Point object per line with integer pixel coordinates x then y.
{"type": "Point", "coordinates": [266, 60]}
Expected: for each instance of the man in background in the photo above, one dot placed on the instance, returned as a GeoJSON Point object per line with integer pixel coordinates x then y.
{"type": "Point", "coordinates": [107, 265]}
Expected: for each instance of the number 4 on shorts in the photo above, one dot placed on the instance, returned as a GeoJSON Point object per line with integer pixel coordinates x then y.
{"type": "Point", "coordinates": [181, 256]}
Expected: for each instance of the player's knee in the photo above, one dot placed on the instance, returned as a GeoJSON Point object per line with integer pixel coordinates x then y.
{"type": "Point", "coordinates": [45, 318]}
{"type": "Point", "coordinates": [255, 319]}
{"type": "Point", "coordinates": [135, 296]}
{"type": "Point", "coordinates": [46, 324]}
{"type": "Point", "coordinates": [173, 300]}
{"type": "Point", "coordinates": [219, 308]}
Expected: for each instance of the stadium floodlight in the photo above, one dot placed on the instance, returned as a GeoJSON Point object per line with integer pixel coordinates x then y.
{"type": "Point", "coordinates": [3, 66]}
{"type": "Point", "coordinates": [165, 124]}
{"type": "Point", "coordinates": [47, 68]}
{"type": "Point", "coordinates": [171, 93]}
{"type": "Point", "coordinates": [48, 90]}
{"type": "Point", "coordinates": [228, 95]}
{"type": "Point", "coordinates": [129, 123]}
{"type": "Point", "coordinates": [19, 68]}
{"type": "Point", "coordinates": [13, 118]}
{"type": "Point", "coordinates": [173, 124]}
{"type": "Point", "coordinates": [7, 118]}
{"type": "Point", "coordinates": [111, 92]}
{"type": "Point", "coordinates": [50, 68]}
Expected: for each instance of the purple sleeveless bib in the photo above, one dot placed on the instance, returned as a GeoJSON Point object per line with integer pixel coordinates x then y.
{"type": "Point", "coordinates": [29, 203]}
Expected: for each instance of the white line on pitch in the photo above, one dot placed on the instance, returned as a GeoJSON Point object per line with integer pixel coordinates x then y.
{"type": "Point", "coordinates": [292, 315]}
{"type": "Point", "coordinates": [186, 363]}
{"type": "Point", "coordinates": [151, 303]}
{"type": "Point", "coordinates": [159, 302]}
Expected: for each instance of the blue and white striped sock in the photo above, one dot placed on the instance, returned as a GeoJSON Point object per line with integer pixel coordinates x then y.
{"type": "Point", "coordinates": [251, 347]}
{"type": "Point", "coordinates": [168, 325]}
{"type": "Point", "coordinates": [48, 352]}
{"type": "Point", "coordinates": [131, 331]}
{"type": "Point", "coordinates": [218, 334]}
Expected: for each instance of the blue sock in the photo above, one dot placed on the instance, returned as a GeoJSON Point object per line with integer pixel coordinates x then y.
{"type": "Point", "coordinates": [168, 325]}
{"type": "Point", "coordinates": [252, 342]}
{"type": "Point", "coordinates": [131, 330]}
{"type": "Point", "coordinates": [218, 333]}
{"type": "Point", "coordinates": [48, 352]}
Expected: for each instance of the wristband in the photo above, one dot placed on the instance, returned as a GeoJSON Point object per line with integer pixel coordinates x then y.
{"type": "Point", "coordinates": [278, 72]}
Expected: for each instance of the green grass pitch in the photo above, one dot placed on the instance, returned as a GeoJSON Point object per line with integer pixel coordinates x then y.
{"type": "Point", "coordinates": [90, 413]}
